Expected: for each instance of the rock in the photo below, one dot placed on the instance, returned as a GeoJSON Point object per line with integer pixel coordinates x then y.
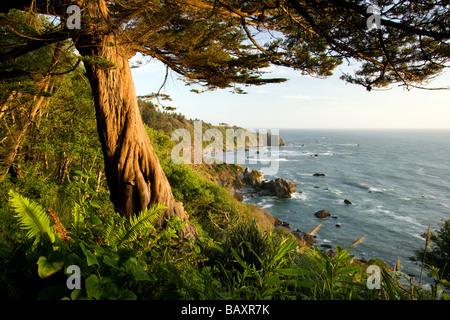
{"type": "Point", "coordinates": [253, 178]}
{"type": "Point", "coordinates": [319, 174]}
{"type": "Point", "coordinates": [276, 222]}
{"type": "Point", "coordinates": [278, 187]}
{"type": "Point", "coordinates": [238, 196]}
{"type": "Point", "coordinates": [334, 217]}
{"type": "Point", "coordinates": [322, 214]}
{"type": "Point", "coordinates": [273, 138]}
{"type": "Point", "coordinates": [286, 224]}
{"type": "Point", "coordinates": [268, 185]}
{"type": "Point", "coordinates": [325, 245]}
{"type": "Point", "coordinates": [338, 225]}
{"type": "Point", "coordinates": [284, 188]}
{"type": "Point", "coordinates": [347, 201]}
{"type": "Point", "coordinates": [305, 238]}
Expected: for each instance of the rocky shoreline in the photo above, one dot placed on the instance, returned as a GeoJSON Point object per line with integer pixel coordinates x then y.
{"type": "Point", "coordinates": [252, 183]}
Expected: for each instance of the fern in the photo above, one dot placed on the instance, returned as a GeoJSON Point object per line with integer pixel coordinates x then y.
{"type": "Point", "coordinates": [126, 231]}
{"type": "Point", "coordinates": [31, 217]}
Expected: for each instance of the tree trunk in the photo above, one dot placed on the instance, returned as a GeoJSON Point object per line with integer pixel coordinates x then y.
{"type": "Point", "coordinates": [134, 175]}
{"type": "Point", "coordinates": [15, 141]}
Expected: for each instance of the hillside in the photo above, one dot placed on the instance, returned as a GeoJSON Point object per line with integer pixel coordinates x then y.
{"type": "Point", "coordinates": [59, 183]}
{"type": "Point", "coordinates": [168, 121]}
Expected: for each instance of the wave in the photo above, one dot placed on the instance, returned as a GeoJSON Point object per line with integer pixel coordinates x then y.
{"type": "Point", "coordinates": [408, 219]}
{"type": "Point", "coordinates": [369, 188]}
{"type": "Point", "coordinates": [300, 196]}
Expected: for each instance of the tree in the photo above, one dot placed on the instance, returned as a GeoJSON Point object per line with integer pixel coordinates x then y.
{"type": "Point", "coordinates": [437, 252]}
{"type": "Point", "coordinates": [205, 41]}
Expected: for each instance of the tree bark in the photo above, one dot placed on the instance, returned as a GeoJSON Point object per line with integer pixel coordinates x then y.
{"type": "Point", "coordinates": [134, 175]}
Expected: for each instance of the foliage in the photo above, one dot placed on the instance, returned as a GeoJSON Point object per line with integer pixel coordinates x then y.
{"type": "Point", "coordinates": [31, 217]}
{"type": "Point", "coordinates": [437, 256]}
{"type": "Point", "coordinates": [113, 265]}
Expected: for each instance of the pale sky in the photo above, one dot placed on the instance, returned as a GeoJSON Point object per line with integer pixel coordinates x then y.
{"type": "Point", "coordinates": [305, 103]}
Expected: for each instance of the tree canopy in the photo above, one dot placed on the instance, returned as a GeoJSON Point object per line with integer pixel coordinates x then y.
{"type": "Point", "coordinates": [213, 42]}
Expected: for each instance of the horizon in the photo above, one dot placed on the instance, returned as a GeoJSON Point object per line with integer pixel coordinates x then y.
{"type": "Point", "coordinates": [304, 102]}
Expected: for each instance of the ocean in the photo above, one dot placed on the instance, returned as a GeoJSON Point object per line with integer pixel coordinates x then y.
{"type": "Point", "coordinates": [396, 180]}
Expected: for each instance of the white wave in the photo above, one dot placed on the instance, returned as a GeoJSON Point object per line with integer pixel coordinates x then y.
{"type": "Point", "coordinates": [335, 191]}
{"type": "Point", "coordinates": [300, 196]}
{"type": "Point", "coordinates": [408, 219]}
{"type": "Point", "coordinates": [278, 159]}
{"type": "Point", "coordinates": [372, 189]}
{"type": "Point", "coordinates": [418, 236]}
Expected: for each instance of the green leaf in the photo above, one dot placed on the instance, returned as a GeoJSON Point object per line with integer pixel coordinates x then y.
{"type": "Point", "coordinates": [111, 261]}
{"type": "Point", "coordinates": [94, 204]}
{"type": "Point", "coordinates": [81, 173]}
{"type": "Point", "coordinates": [127, 295]}
{"type": "Point", "coordinates": [136, 270]}
{"type": "Point", "coordinates": [101, 288]}
{"type": "Point", "coordinates": [139, 224]}
{"type": "Point", "coordinates": [239, 260]}
{"type": "Point", "coordinates": [93, 287]}
{"type": "Point", "coordinates": [295, 272]}
{"type": "Point", "coordinates": [90, 257]}
{"type": "Point", "coordinates": [284, 249]}
{"type": "Point", "coordinates": [273, 280]}
{"type": "Point", "coordinates": [31, 217]}
{"type": "Point", "coordinates": [306, 284]}
{"type": "Point", "coordinates": [347, 270]}
{"type": "Point", "coordinates": [46, 268]}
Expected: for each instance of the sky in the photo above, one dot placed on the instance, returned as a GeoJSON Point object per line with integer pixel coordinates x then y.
{"type": "Point", "coordinates": [304, 102]}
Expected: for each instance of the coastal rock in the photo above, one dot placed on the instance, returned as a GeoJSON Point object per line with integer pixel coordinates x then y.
{"type": "Point", "coordinates": [319, 174]}
{"type": "Point", "coordinates": [322, 214]}
{"type": "Point", "coordinates": [238, 196]}
{"type": "Point", "coordinates": [278, 187]}
{"type": "Point", "coordinates": [304, 238]}
{"type": "Point", "coordinates": [346, 201]}
{"type": "Point", "coordinates": [284, 188]}
{"type": "Point", "coordinates": [271, 140]}
{"type": "Point", "coordinates": [253, 178]}
{"type": "Point", "coordinates": [286, 224]}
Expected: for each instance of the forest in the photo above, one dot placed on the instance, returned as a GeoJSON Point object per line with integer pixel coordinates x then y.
{"type": "Point", "coordinates": [86, 178]}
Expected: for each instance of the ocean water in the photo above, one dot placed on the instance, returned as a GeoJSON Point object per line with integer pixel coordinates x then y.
{"type": "Point", "coordinates": [398, 183]}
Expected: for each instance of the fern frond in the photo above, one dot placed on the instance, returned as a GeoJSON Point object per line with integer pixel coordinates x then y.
{"type": "Point", "coordinates": [113, 229]}
{"type": "Point", "coordinates": [138, 224]}
{"type": "Point", "coordinates": [31, 217]}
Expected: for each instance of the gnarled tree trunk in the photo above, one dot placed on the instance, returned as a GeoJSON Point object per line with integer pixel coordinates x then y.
{"type": "Point", "coordinates": [133, 172]}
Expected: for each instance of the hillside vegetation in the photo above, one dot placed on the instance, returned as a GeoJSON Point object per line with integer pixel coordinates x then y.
{"type": "Point", "coordinates": [49, 223]}
{"type": "Point", "coordinates": [56, 213]}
